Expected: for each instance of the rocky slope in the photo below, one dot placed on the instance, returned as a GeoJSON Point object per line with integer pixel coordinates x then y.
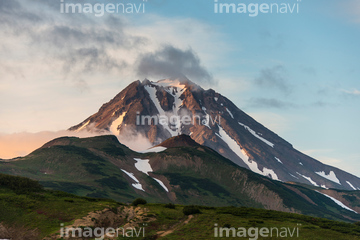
{"type": "Point", "coordinates": [167, 108]}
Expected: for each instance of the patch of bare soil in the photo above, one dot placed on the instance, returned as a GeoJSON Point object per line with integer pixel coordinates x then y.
{"type": "Point", "coordinates": [123, 217]}
{"type": "Point", "coordinates": [175, 227]}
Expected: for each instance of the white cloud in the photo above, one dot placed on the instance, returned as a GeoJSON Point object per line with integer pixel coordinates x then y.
{"type": "Point", "coordinates": [52, 68]}
{"type": "Point", "coordinates": [349, 10]}
{"type": "Point", "coordinates": [207, 40]}
{"type": "Point", "coordinates": [352, 92]}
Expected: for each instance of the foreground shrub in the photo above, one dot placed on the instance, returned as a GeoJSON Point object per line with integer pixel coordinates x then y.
{"type": "Point", "coordinates": [20, 184]}
{"type": "Point", "coordinates": [170, 205]}
{"type": "Point", "coordinates": [139, 201]}
{"type": "Point", "coordinates": [188, 210]}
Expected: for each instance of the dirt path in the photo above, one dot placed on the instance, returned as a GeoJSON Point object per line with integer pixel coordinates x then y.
{"type": "Point", "coordinates": [175, 227]}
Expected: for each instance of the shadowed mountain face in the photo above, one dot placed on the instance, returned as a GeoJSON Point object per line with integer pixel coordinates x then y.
{"type": "Point", "coordinates": [167, 108]}
{"type": "Point", "coordinates": [186, 174]}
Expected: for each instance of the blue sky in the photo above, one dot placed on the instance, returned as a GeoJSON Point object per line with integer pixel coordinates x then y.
{"type": "Point", "coordinates": [298, 74]}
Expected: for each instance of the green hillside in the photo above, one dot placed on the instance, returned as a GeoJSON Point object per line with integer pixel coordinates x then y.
{"type": "Point", "coordinates": [80, 166]}
{"type": "Point", "coordinates": [29, 212]}
{"type": "Point", "coordinates": [193, 174]}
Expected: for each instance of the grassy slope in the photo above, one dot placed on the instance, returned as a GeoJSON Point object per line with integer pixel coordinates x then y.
{"type": "Point", "coordinates": [202, 175]}
{"type": "Point", "coordinates": [202, 225]}
{"type": "Point", "coordinates": [44, 213]}
{"type": "Point", "coordinates": [78, 168]}
{"type": "Point", "coordinates": [25, 206]}
{"type": "Point", "coordinates": [25, 209]}
{"type": "Point", "coordinates": [86, 167]}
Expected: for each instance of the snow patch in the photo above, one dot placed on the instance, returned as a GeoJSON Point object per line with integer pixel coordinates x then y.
{"type": "Point", "coordinates": [278, 160]}
{"type": "Point", "coordinates": [323, 186]}
{"type": "Point", "coordinates": [174, 90]}
{"type": "Point", "coordinates": [256, 135]}
{"type": "Point", "coordinates": [338, 202]}
{"type": "Point", "coordinates": [233, 145]}
{"type": "Point", "coordinates": [215, 98]}
{"type": "Point", "coordinates": [161, 184]}
{"type": "Point", "coordinates": [293, 176]}
{"type": "Point", "coordinates": [331, 176]}
{"type": "Point", "coordinates": [176, 93]}
{"type": "Point", "coordinates": [152, 93]}
{"type": "Point", "coordinates": [231, 115]}
{"type": "Point", "coordinates": [154, 149]}
{"type": "Point", "coordinates": [136, 185]}
{"type": "Point", "coordinates": [352, 186]}
{"type": "Point", "coordinates": [154, 99]}
{"type": "Point", "coordinates": [143, 165]}
{"type": "Point", "coordinates": [301, 163]}
{"type": "Point", "coordinates": [309, 179]}
{"type": "Point", "coordinates": [203, 108]}
{"type": "Point", "coordinates": [115, 124]}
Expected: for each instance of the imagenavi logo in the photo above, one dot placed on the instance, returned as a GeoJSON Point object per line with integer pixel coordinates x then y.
{"type": "Point", "coordinates": [253, 233]}
{"type": "Point", "coordinates": [99, 9]}
{"type": "Point", "coordinates": [254, 9]}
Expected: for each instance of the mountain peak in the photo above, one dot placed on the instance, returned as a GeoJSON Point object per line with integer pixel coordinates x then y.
{"type": "Point", "coordinates": [182, 140]}
{"type": "Point", "coordinates": [180, 83]}
{"type": "Point", "coordinates": [170, 107]}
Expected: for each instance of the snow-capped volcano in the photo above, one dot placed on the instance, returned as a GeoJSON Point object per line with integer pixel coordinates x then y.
{"type": "Point", "coordinates": [167, 108]}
